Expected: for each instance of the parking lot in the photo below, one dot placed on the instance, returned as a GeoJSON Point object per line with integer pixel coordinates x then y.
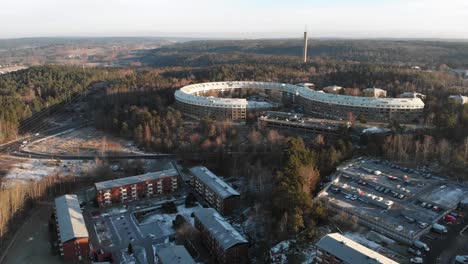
{"type": "Point", "coordinates": [399, 202]}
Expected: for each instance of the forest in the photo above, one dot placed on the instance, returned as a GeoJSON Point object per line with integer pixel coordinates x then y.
{"type": "Point", "coordinates": [138, 104]}
{"type": "Point", "coordinates": [29, 91]}
{"type": "Point", "coordinates": [429, 54]}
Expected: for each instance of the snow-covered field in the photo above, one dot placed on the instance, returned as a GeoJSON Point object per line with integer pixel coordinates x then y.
{"type": "Point", "coordinates": [83, 141]}
{"type": "Point", "coordinates": [31, 169]}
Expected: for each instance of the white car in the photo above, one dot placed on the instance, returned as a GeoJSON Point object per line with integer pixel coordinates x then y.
{"type": "Point", "coordinates": [354, 197]}
{"type": "Point", "coordinates": [416, 260]}
{"type": "Point", "coordinates": [423, 225]}
{"type": "Point", "coordinates": [389, 203]}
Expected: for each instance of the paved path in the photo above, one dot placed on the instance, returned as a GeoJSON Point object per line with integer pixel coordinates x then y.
{"type": "Point", "coordinates": [30, 243]}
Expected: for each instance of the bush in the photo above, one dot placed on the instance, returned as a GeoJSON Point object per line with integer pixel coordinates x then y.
{"type": "Point", "coordinates": [169, 208]}
{"type": "Point", "coordinates": [178, 221]}
{"type": "Point", "coordinates": [190, 200]}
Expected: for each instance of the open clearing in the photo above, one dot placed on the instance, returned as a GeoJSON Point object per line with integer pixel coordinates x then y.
{"type": "Point", "coordinates": [83, 141]}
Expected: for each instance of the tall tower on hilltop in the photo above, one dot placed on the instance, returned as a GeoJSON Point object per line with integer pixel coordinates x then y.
{"type": "Point", "coordinates": [305, 46]}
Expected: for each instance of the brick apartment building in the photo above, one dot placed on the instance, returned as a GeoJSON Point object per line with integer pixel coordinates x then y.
{"type": "Point", "coordinates": [136, 187]}
{"type": "Point", "coordinates": [215, 191]}
{"type": "Point", "coordinates": [335, 248]}
{"type": "Point", "coordinates": [221, 239]}
{"type": "Point", "coordinates": [71, 229]}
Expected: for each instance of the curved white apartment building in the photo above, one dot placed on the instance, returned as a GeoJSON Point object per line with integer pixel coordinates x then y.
{"type": "Point", "coordinates": [333, 106]}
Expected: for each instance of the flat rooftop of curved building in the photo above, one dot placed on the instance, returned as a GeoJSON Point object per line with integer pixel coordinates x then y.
{"type": "Point", "coordinates": [188, 95]}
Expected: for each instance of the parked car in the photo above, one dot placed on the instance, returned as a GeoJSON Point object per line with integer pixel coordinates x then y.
{"type": "Point", "coordinates": [454, 214]}
{"type": "Point", "coordinates": [410, 220]}
{"type": "Point", "coordinates": [414, 251]}
{"type": "Point", "coordinates": [423, 225]}
{"type": "Point", "coordinates": [439, 228]}
{"type": "Point", "coordinates": [450, 219]}
{"type": "Point", "coordinates": [421, 245]}
{"type": "Point", "coordinates": [416, 260]}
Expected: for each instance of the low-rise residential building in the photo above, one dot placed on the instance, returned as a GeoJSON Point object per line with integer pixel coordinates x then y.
{"type": "Point", "coordinates": [221, 238]}
{"type": "Point", "coordinates": [459, 98]}
{"type": "Point", "coordinates": [173, 254]}
{"type": "Point", "coordinates": [374, 92]}
{"type": "Point", "coordinates": [308, 85]}
{"type": "Point", "coordinates": [71, 229]}
{"type": "Point", "coordinates": [299, 124]}
{"type": "Point", "coordinates": [412, 95]}
{"type": "Point", "coordinates": [334, 89]}
{"type": "Point", "coordinates": [216, 192]}
{"type": "Point", "coordinates": [460, 72]}
{"type": "Point", "coordinates": [335, 248]}
{"type": "Point", "coordinates": [136, 187]}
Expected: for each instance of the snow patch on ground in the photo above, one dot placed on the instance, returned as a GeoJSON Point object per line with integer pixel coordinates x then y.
{"type": "Point", "coordinates": [279, 251]}
{"type": "Point", "coordinates": [164, 221]}
{"type": "Point", "coordinates": [35, 170]}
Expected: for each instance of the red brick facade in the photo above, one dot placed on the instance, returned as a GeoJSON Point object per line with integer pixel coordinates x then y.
{"type": "Point", "coordinates": [76, 249]}
{"type": "Point", "coordinates": [136, 191]}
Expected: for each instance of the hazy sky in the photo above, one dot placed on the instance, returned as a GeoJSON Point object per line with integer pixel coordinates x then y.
{"type": "Point", "coordinates": [235, 18]}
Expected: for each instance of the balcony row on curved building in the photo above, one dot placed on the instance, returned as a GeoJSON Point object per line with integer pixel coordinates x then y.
{"type": "Point", "coordinates": [189, 99]}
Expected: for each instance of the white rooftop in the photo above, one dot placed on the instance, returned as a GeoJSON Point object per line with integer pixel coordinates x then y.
{"type": "Point", "coordinates": [215, 184]}
{"type": "Point", "coordinates": [70, 218]}
{"type": "Point", "coordinates": [188, 94]}
{"type": "Point", "coordinates": [351, 252]}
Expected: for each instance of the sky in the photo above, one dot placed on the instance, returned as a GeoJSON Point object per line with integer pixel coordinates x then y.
{"type": "Point", "coordinates": [235, 18]}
